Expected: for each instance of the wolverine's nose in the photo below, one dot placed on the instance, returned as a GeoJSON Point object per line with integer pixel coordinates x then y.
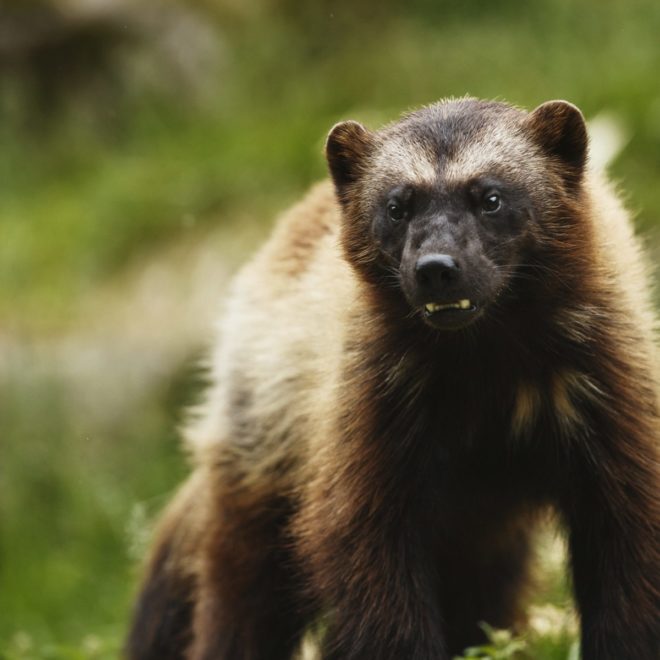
{"type": "Point", "coordinates": [436, 270]}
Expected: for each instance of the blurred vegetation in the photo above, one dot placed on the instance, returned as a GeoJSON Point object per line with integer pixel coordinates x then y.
{"type": "Point", "coordinates": [129, 127]}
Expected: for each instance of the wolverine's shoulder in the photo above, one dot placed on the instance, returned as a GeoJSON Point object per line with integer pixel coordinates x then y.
{"type": "Point", "coordinates": [302, 230]}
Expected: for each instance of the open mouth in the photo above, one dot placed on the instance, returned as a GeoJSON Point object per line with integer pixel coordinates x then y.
{"type": "Point", "coordinates": [432, 308]}
{"type": "Point", "coordinates": [450, 315]}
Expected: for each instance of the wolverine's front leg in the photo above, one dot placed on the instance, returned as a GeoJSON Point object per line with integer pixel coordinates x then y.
{"type": "Point", "coordinates": [612, 507]}
{"type": "Point", "coordinates": [484, 567]}
{"type": "Point", "coordinates": [363, 530]}
{"type": "Point", "coordinates": [381, 603]}
{"type": "Point", "coordinates": [614, 537]}
{"type": "Point", "coordinates": [372, 578]}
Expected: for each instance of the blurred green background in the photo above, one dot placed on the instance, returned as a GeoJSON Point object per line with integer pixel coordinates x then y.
{"type": "Point", "coordinates": [145, 149]}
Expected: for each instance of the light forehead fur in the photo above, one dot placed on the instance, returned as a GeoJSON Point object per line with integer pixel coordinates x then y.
{"type": "Point", "coordinates": [456, 141]}
{"type": "Point", "coordinates": [498, 148]}
{"type": "Point", "coordinates": [406, 159]}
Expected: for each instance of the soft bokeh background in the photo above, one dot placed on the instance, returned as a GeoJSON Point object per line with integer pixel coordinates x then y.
{"type": "Point", "coordinates": [145, 148]}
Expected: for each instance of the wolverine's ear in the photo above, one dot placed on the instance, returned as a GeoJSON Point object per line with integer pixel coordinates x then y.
{"type": "Point", "coordinates": [346, 148]}
{"type": "Point", "coordinates": [559, 128]}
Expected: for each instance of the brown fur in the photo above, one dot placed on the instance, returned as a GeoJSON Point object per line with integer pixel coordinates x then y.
{"type": "Point", "coordinates": [357, 467]}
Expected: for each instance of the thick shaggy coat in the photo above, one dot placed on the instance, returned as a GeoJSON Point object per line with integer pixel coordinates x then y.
{"type": "Point", "coordinates": [452, 339]}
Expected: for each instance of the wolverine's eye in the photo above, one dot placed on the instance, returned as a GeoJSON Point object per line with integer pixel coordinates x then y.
{"type": "Point", "coordinates": [491, 203]}
{"type": "Point", "coordinates": [396, 211]}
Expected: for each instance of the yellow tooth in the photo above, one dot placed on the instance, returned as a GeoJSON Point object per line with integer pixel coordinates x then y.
{"type": "Point", "coordinates": [436, 307]}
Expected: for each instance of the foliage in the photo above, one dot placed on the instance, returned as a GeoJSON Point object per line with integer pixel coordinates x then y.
{"type": "Point", "coordinates": [501, 645]}
{"type": "Point", "coordinates": [23, 647]}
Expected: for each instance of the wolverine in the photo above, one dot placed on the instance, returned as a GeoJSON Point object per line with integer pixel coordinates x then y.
{"type": "Point", "coordinates": [449, 339]}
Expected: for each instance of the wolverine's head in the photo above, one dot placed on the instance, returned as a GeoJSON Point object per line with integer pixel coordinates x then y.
{"type": "Point", "coordinates": [455, 199]}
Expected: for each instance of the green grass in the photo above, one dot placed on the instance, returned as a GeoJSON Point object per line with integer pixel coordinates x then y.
{"type": "Point", "coordinates": [80, 206]}
{"type": "Point", "coordinates": [76, 497]}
